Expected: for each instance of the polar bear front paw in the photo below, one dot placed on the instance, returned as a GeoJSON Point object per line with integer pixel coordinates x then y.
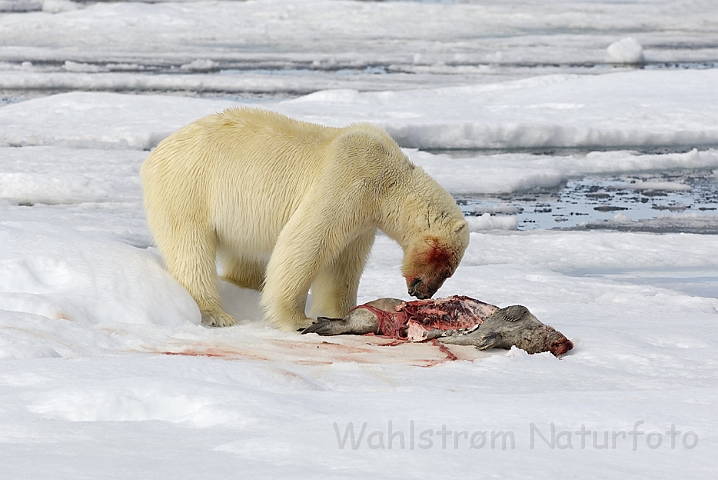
{"type": "Point", "coordinates": [217, 319]}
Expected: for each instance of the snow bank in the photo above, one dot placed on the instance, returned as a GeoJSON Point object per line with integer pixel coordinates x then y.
{"type": "Point", "coordinates": [551, 111]}
{"type": "Point", "coordinates": [92, 77]}
{"type": "Point", "coordinates": [64, 275]}
{"type": "Point", "coordinates": [626, 50]}
{"type": "Point", "coordinates": [100, 120]}
{"type": "Point", "coordinates": [137, 400]}
{"type": "Point", "coordinates": [572, 252]}
{"type": "Point", "coordinates": [489, 222]}
{"type": "Point", "coordinates": [56, 175]}
{"type": "Point", "coordinates": [633, 109]}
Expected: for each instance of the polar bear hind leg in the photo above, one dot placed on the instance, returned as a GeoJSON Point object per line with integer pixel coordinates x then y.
{"type": "Point", "coordinates": [190, 258]}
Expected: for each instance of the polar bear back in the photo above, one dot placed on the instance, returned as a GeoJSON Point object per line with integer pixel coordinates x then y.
{"type": "Point", "coordinates": [244, 171]}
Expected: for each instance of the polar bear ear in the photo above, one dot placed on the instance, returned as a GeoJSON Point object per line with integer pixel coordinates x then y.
{"type": "Point", "coordinates": [460, 226]}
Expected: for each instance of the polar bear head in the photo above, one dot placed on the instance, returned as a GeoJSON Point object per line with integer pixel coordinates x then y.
{"type": "Point", "coordinates": [433, 234]}
{"type": "Point", "coordinates": [430, 260]}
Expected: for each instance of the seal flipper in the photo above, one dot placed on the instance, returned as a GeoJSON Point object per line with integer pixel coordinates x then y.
{"type": "Point", "coordinates": [359, 321]}
{"type": "Point", "coordinates": [512, 313]}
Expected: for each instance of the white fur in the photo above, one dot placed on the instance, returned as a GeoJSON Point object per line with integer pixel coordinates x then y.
{"type": "Point", "coordinates": [288, 205]}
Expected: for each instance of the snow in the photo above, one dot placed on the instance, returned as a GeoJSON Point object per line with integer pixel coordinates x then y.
{"type": "Point", "coordinates": [465, 43]}
{"type": "Point", "coordinates": [58, 6]}
{"type": "Point", "coordinates": [624, 110]}
{"type": "Point", "coordinates": [106, 372]}
{"type": "Point", "coordinates": [492, 222]}
{"type": "Point", "coordinates": [626, 50]}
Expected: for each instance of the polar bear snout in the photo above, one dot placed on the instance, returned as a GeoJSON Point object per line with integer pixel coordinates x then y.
{"type": "Point", "coordinates": [412, 286]}
{"type": "Point", "coordinates": [423, 288]}
{"type": "Point", "coordinates": [428, 264]}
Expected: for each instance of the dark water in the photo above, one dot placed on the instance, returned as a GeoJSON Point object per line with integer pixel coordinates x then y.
{"type": "Point", "coordinates": [593, 202]}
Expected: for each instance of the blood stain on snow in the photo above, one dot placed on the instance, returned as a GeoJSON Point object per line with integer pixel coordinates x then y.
{"type": "Point", "coordinates": [227, 354]}
{"type": "Point", "coordinates": [444, 349]}
{"type": "Point", "coordinates": [347, 349]}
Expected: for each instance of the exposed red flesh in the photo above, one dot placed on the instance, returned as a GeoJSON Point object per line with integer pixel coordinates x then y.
{"type": "Point", "coordinates": [412, 320]}
{"type": "Point", "coordinates": [452, 313]}
{"type": "Point", "coordinates": [391, 324]}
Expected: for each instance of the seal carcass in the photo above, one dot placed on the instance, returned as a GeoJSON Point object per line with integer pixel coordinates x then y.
{"type": "Point", "coordinates": [456, 320]}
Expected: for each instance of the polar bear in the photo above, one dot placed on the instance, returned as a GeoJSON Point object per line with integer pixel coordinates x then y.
{"type": "Point", "coordinates": [284, 206]}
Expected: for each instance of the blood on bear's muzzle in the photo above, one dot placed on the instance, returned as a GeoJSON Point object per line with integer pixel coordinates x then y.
{"type": "Point", "coordinates": [422, 289]}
